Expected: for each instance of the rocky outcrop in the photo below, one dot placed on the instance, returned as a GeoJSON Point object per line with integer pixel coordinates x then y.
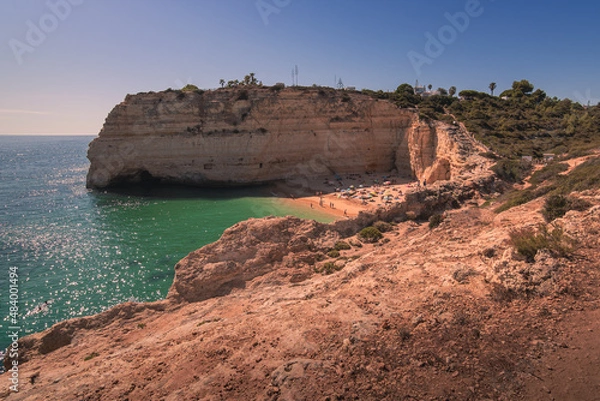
{"type": "Point", "coordinates": [426, 313]}
{"type": "Point", "coordinates": [248, 250]}
{"type": "Point", "coordinates": [258, 135]}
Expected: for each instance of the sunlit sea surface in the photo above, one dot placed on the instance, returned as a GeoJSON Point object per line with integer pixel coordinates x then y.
{"type": "Point", "coordinates": [85, 251]}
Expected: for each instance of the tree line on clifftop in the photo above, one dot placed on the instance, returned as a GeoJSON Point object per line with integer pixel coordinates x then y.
{"type": "Point", "coordinates": [519, 122]}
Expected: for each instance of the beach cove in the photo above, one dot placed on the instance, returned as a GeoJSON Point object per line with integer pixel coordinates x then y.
{"type": "Point", "coordinates": [86, 251]}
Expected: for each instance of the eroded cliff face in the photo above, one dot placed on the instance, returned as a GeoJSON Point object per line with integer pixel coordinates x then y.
{"type": "Point", "coordinates": [257, 135]}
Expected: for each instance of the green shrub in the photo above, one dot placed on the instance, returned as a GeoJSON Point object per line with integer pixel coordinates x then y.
{"type": "Point", "coordinates": [528, 241]}
{"type": "Point", "coordinates": [555, 206]}
{"type": "Point", "coordinates": [549, 172]}
{"type": "Point", "coordinates": [334, 253]}
{"type": "Point", "coordinates": [190, 88]}
{"type": "Point", "coordinates": [558, 243]}
{"type": "Point", "coordinates": [383, 226]}
{"type": "Point", "coordinates": [585, 176]}
{"type": "Point", "coordinates": [435, 220]}
{"type": "Point", "coordinates": [515, 199]}
{"type": "Point", "coordinates": [510, 170]}
{"type": "Point", "coordinates": [370, 234]}
{"type": "Point", "coordinates": [91, 356]}
{"type": "Point", "coordinates": [342, 246]}
{"type": "Point", "coordinates": [328, 268]}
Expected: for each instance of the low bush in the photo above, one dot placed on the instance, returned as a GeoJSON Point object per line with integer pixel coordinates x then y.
{"type": "Point", "coordinates": [585, 176]}
{"type": "Point", "coordinates": [334, 253]}
{"type": "Point", "coordinates": [342, 246]}
{"type": "Point", "coordinates": [328, 268]}
{"type": "Point", "coordinates": [516, 199]}
{"type": "Point", "coordinates": [555, 207]}
{"type": "Point", "coordinates": [528, 241]}
{"type": "Point", "coordinates": [190, 87]}
{"type": "Point", "coordinates": [383, 226]}
{"type": "Point", "coordinates": [510, 170]}
{"type": "Point", "coordinates": [549, 172]}
{"type": "Point", "coordinates": [435, 220]}
{"type": "Point", "coordinates": [370, 234]}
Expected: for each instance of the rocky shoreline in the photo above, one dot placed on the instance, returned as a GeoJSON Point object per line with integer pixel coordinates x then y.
{"type": "Point", "coordinates": [442, 313]}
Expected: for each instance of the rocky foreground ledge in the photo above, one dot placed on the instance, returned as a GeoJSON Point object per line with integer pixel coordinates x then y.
{"type": "Point", "coordinates": [243, 136]}
{"type": "Point", "coordinates": [445, 313]}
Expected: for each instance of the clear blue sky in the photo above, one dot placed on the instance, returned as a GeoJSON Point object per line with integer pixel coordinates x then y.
{"type": "Point", "coordinates": [96, 52]}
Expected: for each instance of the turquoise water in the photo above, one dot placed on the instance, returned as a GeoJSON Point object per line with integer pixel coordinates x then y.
{"type": "Point", "coordinates": [87, 250]}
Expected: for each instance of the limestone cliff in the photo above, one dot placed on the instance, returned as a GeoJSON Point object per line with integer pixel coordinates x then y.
{"type": "Point", "coordinates": [257, 135]}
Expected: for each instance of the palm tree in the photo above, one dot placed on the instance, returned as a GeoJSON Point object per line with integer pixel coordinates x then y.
{"type": "Point", "coordinates": [430, 86]}
{"type": "Point", "coordinates": [452, 91]}
{"type": "Point", "coordinates": [492, 87]}
{"type": "Point", "coordinates": [222, 82]}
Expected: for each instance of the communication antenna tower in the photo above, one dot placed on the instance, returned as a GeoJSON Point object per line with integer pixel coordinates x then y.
{"type": "Point", "coordinates": [296, 71]}
{"type": "Point", "coordinates": [295, 76]}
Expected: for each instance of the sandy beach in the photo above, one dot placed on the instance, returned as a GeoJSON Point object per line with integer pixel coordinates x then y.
{"type": "Point", "coordinates": [344, 196]}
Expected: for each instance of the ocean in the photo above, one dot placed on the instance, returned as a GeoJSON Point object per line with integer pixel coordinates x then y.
{"type": "Point", "coordinates": [84, 251]}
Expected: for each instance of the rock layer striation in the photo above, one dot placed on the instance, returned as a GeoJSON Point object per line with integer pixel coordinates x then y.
{"type": "Point", "coordinates": [231, 137]}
